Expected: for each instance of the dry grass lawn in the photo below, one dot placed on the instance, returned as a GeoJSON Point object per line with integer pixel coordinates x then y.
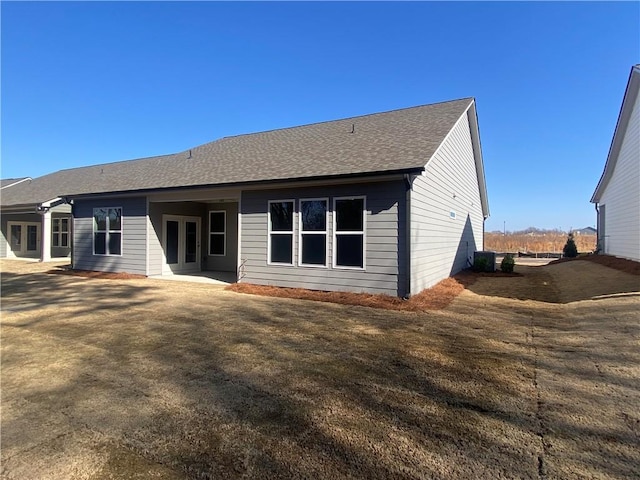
{"type": "Point", "coordinates": [533, 376]}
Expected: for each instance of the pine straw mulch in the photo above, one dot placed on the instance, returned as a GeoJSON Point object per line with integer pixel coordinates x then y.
{"type": "Point", "coordinates": [621, 264]}
{"type": "Point", "coordinates": [435, 298]}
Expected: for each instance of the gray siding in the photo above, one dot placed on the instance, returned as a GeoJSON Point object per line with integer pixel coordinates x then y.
{"type": "Point", "coordinates": [228, 262]}
{"type": "Point", "coordinates": [385, 250]}
{"type": "Point", "coordinates": [134, 236]}
{"type": "Point", "coordinates": [3, 238]}
{"type": "Point", "coordinates": [442, 245]}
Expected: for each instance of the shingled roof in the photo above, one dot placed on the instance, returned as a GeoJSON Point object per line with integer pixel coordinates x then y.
{"type": "Point", "coordinates": [396, 141]}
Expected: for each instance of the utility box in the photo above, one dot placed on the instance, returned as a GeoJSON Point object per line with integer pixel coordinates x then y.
{"type": "Point", "coordinates": [490, 264]}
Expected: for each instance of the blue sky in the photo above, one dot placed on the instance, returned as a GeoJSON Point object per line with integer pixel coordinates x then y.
{"type": "Point", "coordinates": [86, 83]}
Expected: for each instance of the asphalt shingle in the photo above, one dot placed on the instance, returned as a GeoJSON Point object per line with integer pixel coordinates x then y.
{"type": "Point", "coordinates": [399, 140]}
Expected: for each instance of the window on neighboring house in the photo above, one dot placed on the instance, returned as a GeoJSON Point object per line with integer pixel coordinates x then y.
{"type": "Point", "coordinates": [349, 241]}
{"type": "Point", "coordinates": [107, 231]}
{"type": "Point", "coordinates": [281, 232]}
{"type": "Point", "coordinates": [217, 232]}
{"type": "Point", "coordinates": [60, 232]}
{"type": "Point", "coordinates": [313, 232]}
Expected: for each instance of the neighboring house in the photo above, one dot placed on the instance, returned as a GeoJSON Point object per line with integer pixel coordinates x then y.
{"type": "Point", "coordinates": [617, 196]}
{"type": "Point", "coordinates": [585, 231]}
{"type": "Point", "coordinates": [34, 223]}
{"type": "Point", "coordinates": [384, 203]}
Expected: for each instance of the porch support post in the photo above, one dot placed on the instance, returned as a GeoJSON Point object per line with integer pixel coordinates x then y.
{"type": "Point", "coordinates": [45, 244]}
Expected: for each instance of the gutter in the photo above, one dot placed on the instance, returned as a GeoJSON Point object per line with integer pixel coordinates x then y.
{"type": "Point", "coordinates": [252, 183]}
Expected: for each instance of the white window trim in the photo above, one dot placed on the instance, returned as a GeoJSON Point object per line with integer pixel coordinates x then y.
{"type": "Point", "coordinates": [121, 231]}
{"type": "Point", "coordinates": [60, 231]}
{"type": "Point", "coordinates": [223, 233]}
{"type": "Point", "coordinates": [325, 233]}
{"type": "Point", "coordinates": [292, 233]}
{"type": "Point", "coordinates": [363, 233]}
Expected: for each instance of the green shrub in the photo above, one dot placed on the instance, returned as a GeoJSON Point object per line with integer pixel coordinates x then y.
{"type": "Point", "coordinates": [508, 263]}
{"type": "Point", "coordinates": [570, 250]}
{"type": "Point", "coordinates": [481, 264]}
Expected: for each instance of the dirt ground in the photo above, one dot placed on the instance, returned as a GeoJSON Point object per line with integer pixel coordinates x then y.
{"type": "Point", "coordinates": [534, 376]}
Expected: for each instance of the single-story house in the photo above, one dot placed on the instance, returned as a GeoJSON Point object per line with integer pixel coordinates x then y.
{"type": "Point", "coordinates": [617, 196]}
{"type": "Point", "coordinates": [33, 224]}
{"type": "Point", "coordinates": [389, 203]}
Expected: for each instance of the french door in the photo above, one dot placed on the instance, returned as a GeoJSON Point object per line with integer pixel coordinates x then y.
{"type": "Point", "coordinates": [24, 238]}
{"type": "Point", "coordinates": [181, 244]}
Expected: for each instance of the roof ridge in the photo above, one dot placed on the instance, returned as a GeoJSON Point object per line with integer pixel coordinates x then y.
{"type": "Point", "coordinates": [336, 120]}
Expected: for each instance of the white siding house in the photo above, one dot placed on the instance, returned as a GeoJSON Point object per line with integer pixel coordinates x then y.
{"type": "Point", "coordinates": [617, 196]}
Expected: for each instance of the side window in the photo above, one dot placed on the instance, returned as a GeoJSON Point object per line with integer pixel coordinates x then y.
{"type": "Point", "coordinates": [60, 229]}
{"type": "Point", "coordinates": [313, 232]}
{"type": "Point", "coordinates": [107, 231]}
{"type": "Point", "coordinates": [349, 238]}
{"type": "Point", "coordinates": [217, 232]}
{"type": "Point", "coordinates": [281, 232]}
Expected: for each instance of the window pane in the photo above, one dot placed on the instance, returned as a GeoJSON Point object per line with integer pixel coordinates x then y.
{"type": "Point", "coordinates": [56, 224]}
{"type": "Point", "coordinates": [100, 243]}
{"type": "Point", "coordinates": [56, 240]}
{"type": "Point", "coordinates": [32, 238]}
{"type": "Point", "coordinates": [65, 240]}
{"type": "Point", "coordinates": [16, 236]}
{"type": "Point", "coordinates": [65, 224]}
{"type": "Point", "coordinates": [216, 222]}
{"type": "Point", "coordinates": [314, 249]}
{"type": "Point", "coordinates": [115, 215]}
{"type": "Point", "coordinates": [282, 248]}
{"type": "Point", "coordinates": [191, 242]}
{"type": "Point", "coordinates": [100, 219]}
{"type": "Point", "coordinates": [314, 215]}
{"type": "Point", "coordinates": [172, 242]}
{"type": "Point", "coordinates": [349, 215]}
{"type": "Point", "coordinates": [281, 216]}
{"type": "Point", "coordinates": [349, 251]}
{"type": "Point", "coordinates": [216, 245]}
{"type": "Point", "coordinates": [114, 243]}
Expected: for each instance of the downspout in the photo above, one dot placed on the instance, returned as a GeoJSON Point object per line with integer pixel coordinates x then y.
{"type": "Point", "coordinates": [407, 203]}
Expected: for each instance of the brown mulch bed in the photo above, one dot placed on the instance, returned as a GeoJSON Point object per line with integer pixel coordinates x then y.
{"type": "Point", "coordinates": [93, 274]}
{"type": "Point", "coordinates": [621, 264]}
{"type": "Point", "coordinates": [435, 298]}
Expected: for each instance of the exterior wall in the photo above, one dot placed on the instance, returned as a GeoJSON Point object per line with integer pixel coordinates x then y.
{"type": "Point", "coordinates": [442, 245]}
{"type": "Point", "coordinates": [385, 257]}
{"type": "Point", "coordinates": [63, 211]}
{"type": "Point", "coordinates": [156, 211]}
{"type": "Point", "coordinates": [228, 262]}
{"type": "Point", "coordinates": [134, 236]}
{"type": "Point", "coordinates": [621, 196]}
{"type": "Point", "coordinates": [4, 234]}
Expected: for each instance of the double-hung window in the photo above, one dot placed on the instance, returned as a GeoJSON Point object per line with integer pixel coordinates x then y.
{"type": "Point", "coordinates": [281, 232]}
{"type": "Point", "coordinates": [313, 232]}
{"type": "Point", "coordinates": [107, 231]}
{"type": "Point", "coordinates": [217, 232]}
{"type": "Point", "coordinates": [60, 229]}
{"type": "Point", "coordinates": [348, 232]}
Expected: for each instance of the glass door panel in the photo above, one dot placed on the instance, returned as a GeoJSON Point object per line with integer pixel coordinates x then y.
{"type": "Point", "coordinates": [32, 238]}
{"type": "Point", "coordinates": [173, 241]}
{"type": "Point", "coordinates": [191, 242]}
